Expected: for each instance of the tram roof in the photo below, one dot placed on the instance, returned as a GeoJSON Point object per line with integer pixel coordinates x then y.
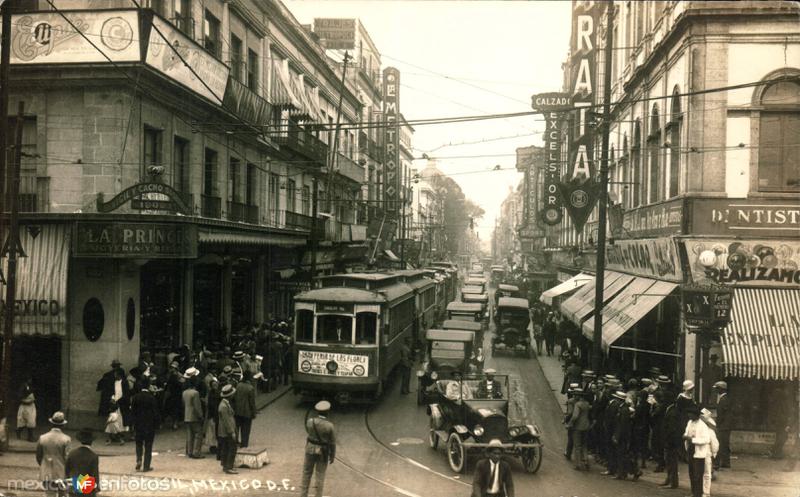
{"type": "Point", "coordinates": [464, 307]}
{"type": "Point", "coordinates": [450, 335]}
{"type": "Point", "coordinates": [356, 295]}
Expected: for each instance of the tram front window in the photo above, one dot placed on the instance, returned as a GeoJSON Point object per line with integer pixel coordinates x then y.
{"type": "Point", "coordinates": [334, 329]}
{"type": "Point", "coordinates": [305, 326]}
{"type": "Point", "coordinates": [366, 324]}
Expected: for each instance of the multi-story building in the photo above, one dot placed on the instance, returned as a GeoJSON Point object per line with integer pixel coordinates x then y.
{"type": "Point", "coordinates": [171, 155]}
{"type": "Point", "coordinates": [705, 177]}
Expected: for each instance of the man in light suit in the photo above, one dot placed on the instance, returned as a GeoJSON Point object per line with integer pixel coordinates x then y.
{"type": "Point", "coordinates": [244, 405]}
{"type": "Point", "coordinates": [193, 414]}
{"type": "Point", "coordinates": [51, 454]}
{"type": "Point", "coordinates": [493, 475]}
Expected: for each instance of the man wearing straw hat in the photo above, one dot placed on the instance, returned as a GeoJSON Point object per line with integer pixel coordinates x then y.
{"type": "Point", "coordinates": [51, 454]}
{"type": "Point", "coordinates": [493, 475]}
{"type": "Point", "coordinates": [320, 449]}
{"type": "Point", "coordinates": [226, 430]}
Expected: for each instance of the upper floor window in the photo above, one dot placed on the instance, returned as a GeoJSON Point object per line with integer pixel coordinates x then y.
{"type": "Point", "coordinates": [180, 164]}
{"type": "Point", "coordinates": [182, 17]}
{"type": "Point", "coordinates": [252, 70]}
{"type": "Point", "coordinates": [290, 195]}
{"type": "Point", "coordinates": [158, 6]}
{"type": "Point", "coordinates": [654, 149]}
{"type": "Point", "coordinates": [210, 173]}
{"type": "Point", "coordinates": [236, 57]}
{"type": "Point", "coordinates": [675, 125]}
{"type": "Point", "coordinates": [306, 200]}
{"type": "Point", "coordinates": [636, 166]}
{"type": "Point", "coordinates": [152, 146]}
{"type": "Point", "coordinates": [779, 136]}
{"type": "Point", "coordinates": [211, 38]}
{"type": "Point", "coordinates": [251, 184]}
{"type": "Point", "coordinates": [234, 180]}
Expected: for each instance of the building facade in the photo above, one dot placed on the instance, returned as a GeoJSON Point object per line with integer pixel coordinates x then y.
{"type": "Point", "coordinates": [173, 157]}
{"type": "Point", "coordinates": [704, 182]}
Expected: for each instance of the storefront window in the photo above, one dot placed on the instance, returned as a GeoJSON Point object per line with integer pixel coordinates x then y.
{"type": "Point", "coordinates": [130, 319]}
{"type": "Point", "coordinates": [763, 405]}
{"type": "Point", "coordinates": [366, 324]}
{"type": "Point", "coordinates": [334, 329]}
{"type": "Point", "coordinates": [242, 296]}
{"type": "Point", "coordinates": [305, 326]}
{"type": "Point", "coordinates": [160, 297]}
{"type": "Point", "coordinates": [93, 319]}
{"type": "Point", "coordinates": [207, 303]}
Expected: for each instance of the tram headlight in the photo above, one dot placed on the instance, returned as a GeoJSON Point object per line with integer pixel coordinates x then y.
{"type": "Point", "coordinates": [478, 430]}
{"type": "Point", "coordinates": [331, 366]}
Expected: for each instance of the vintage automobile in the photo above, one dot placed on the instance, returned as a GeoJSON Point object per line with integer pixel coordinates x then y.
{"type": "Point", "coordinates": [471, 289]}
{"type": "Point", "coordinates": [478, 298]}
{"type": "Point", "coordinates": [465, 424]}
{"type": "Point", "coordinates": [446, 351]}
{"type": "Point", "coordinates": [504, 290]}
{"type": "Point", "coordinates": [511, 320]}
{"type": "Point", "coordinates": [498, 273]}
{"type": "Point", "coordinates": [458, 324]}
{"type": "Point", "coordinates": [464, 311]}
{"type": "Point", "coordinates": [476, 281]}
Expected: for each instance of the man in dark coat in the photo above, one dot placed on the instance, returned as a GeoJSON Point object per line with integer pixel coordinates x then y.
{"type": "Point", "coordinates": [226, 431]}
{"type": "Point", "coordinates": [83, 461]}
{"type": "Point", "coordinates": [406, 363]}
{"type": "Point", "coordinates": [549, 329]}
{"type": "Point", "coordinates": [493, 475]}
{"type": "Point", "coordinates": [106, 386]}
{"type": "Point", "coordinates": [657, 413]}
{"type": "Point", "coordinates": [724, 425]}
{"type": "Point", "coordinates": [244, 406]}
{"type": "Point", "coordinates": [673, 441]}
{"type": "Point", "coordinates": [622, 439]}
{"type": "Point", "coordinates": [145, 414]}
{"type": "Point", "coordinates": [609, 427]}
{"type": "Point", "coordinates": [489, 388]}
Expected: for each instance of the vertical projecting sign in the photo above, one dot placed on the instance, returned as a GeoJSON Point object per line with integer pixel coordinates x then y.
{"type": "Point", "coordinates": [579, 188]}
{"type": "Point", "coordinates": [391, 104]}
{"type": "Point", "coordinates": [551, 105]}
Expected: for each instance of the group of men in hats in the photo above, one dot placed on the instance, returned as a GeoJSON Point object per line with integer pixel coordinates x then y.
{"type": "Point", "coordinates": [625, 424]}
{"type": "Point", "coordinates": [60, 467]}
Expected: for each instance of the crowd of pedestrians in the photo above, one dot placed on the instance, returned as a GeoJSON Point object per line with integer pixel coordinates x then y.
{"type": "Point", "coordinates": [625, 425]}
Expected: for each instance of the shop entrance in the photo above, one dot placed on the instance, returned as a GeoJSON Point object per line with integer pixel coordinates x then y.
{"type": "Point", "coordinates": [207, 304]}
{"type": "Point", "coordinates": [161, 306]}
{"type": "Point", "coordinates": [242, 289]}
{"type": "Point", "coordinates": [37, 358]}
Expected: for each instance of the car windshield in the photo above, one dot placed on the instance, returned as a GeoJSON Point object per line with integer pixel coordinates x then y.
{"type": "Point", "coordinates": [472, 389]}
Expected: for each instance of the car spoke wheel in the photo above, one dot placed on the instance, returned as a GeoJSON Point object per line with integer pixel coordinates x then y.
{"type": "Point", "coordinates": [433, 439]}
{"type": "Point", "coordinates": [456, 455]}
{"type": "Point", "coordinates": [532, 459]}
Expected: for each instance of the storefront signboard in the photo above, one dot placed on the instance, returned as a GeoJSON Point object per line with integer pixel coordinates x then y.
{"type": "Point", "coordinates": [662, 219]}
{"type": "Point", "coordinates": [149, 195]}
{"type": "Point", "coordinates": [135, 240]}
{"type": "Point", "coordinates": [391, 113]}
{"type": "Point", "coordinates": [744, 262]}
{"type": "Point", "coordinates": [583, 261]}
{"type": "Point", "coordinates": [182, 60]}
{"type": "Point", "coordinates": [757, 218]}
{"type": "Point", "coordinates": [336, 34]}
{"type": "Point", "coordinates": [653, 258]}
{"type": "Point", "coordinates": [47, 38]}
{"type": "Point", "coordinates": [551, 213]}
{"type": "Point", "coordinates": [706, 306]}
{"type": "Point", "coordinates": [316, 362]}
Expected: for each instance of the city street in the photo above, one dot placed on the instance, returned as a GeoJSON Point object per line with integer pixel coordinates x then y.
{"type": "Point", "coordinates": [383, 450]}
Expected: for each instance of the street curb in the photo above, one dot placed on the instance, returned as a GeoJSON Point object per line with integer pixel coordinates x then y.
{"type": "Point", "coordinates": [558, 401]}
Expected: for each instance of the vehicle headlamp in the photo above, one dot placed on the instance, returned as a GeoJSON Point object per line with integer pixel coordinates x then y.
{"type": "Point", "coordinates": [478, 430]}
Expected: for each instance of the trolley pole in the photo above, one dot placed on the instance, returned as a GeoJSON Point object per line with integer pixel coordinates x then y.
{"type": "Point", "coordinates": [597, 344]}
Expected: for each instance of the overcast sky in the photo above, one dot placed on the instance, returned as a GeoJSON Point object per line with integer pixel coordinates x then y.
{"type": "Point", "coordinates": [463, 58]}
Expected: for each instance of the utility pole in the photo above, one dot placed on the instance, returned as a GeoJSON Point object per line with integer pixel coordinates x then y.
{"type": "Point", "coordinates": [5, 55]}
{"type": "Point", "coordinates": [335, 149]}
{"type": "Point", "coordinates": [597, 344]}
{"type": "Point", "coordinates": [403, 231]}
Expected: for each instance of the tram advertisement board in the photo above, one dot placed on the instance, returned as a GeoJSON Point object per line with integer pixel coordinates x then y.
{"type": "Point", "coordinates": [332, 363]}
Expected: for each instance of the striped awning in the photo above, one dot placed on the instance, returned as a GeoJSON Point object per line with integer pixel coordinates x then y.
{"type": "Point", "coordinates": [41, 297]}
{"type": "Point", "coordinates": [252, 239]}
{"type": "Point", "coordinates": [581, 305]}
{"type": "Point", "coordinates": [763, 338]}
{"type": "Point", "coordinates": [571, 284]}
{"type": "Point", "coordinates": [281, 92]}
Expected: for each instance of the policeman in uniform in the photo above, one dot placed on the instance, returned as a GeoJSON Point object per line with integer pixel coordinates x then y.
{"type": "Point", "coordinates": [320, 449]}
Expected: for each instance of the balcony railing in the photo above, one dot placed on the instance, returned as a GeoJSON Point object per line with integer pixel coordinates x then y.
{"type": "Point", "coordinates": [374, 150]}
{"type": "Point", "coordinates": [275, 218]}
{"type": "Point", "coordinates": [297, 220]}
{"type": "Point", "coordinates": [304, 143]}
{"type": "Point", "coordinates": [210, 206]}
{"type": "Point", "coordinates": [34, 194]}
{"type": "Point", "coordinates": [245, 213]}
{"type": "Point", "coordinates": [349, 168]}
{"type": "Point", "coordinates": [185, 24]}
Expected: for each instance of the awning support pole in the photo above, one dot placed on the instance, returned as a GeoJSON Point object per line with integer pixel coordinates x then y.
{"type": "Point", "coordinates": [633, 349]}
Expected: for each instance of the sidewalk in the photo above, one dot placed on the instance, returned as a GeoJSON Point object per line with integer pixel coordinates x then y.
{"type": "Point", "coordinates": [166, 441]}
{"type": "Point", "coordinates": [749, 474]}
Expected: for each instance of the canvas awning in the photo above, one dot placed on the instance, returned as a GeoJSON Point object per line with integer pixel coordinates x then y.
{"type": "Point", "coordinates": [581, 305]}
{"type": "Point", "coordinates": [629, 307]}
{"type": "Point", "coordinates": [762, 339]}
{"type": "Point", "coordinates": [571, 284]}
{"type": "Point", "coordinates": [41, 297]}
{"type": "Point", "coordinates": [245, 238]}
{"type": "Point", "coordinates": [281, 92]}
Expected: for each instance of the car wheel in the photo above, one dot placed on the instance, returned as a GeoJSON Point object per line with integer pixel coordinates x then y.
{"type": "Point", "coordinates": [456, 454]}
{"type": "Point", "coordinates": [532, 459]}
{"type": "Point", "coordinates": [433, 439]}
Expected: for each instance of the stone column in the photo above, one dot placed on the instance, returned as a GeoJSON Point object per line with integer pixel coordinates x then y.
{"type": "Point", "coordinates": [227, 296]}
{"type": "Point", "coordinates": [187, 313]}
{"type": "Point", "coordinates": [259, 289]}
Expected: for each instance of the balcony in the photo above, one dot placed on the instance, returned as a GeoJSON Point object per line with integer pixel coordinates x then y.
{"type": "Point", "coordinates": [275, 218]}
{"type": "Point", "coordinates": [210, 206]}
{"type": "Point", "coordinates": [349, 168]}
{"type": "Point", "coordinates": [374, 150]}
{"type": "Point", "coordinates": [245, 103]}
{"type": "Point", "coordinates": [34, 194]}
{"type": "Point", "coordinates": [244, 213]}
{"type": "Point", "coordinates": [296, 220]}
{"type": "Point", "coordinates": [302, 142]}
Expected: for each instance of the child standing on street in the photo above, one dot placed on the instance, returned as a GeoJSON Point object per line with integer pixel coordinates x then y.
{"type": "Point", "coordinates": [114, 426]}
